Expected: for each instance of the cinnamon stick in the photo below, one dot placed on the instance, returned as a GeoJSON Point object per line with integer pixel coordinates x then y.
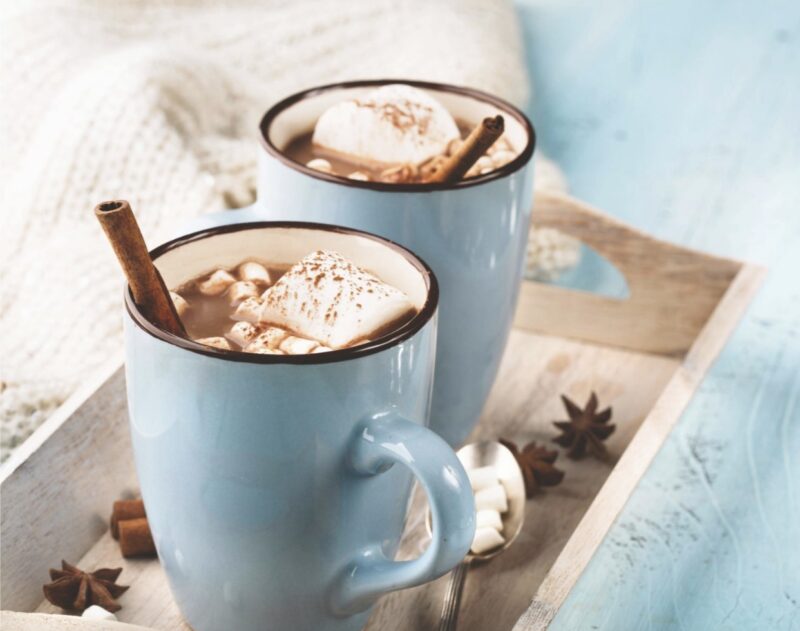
{"type": "Point", "coordinates": [147, 287]}
{"type": "Point", "coordinates": [475, 145]}
{"type": "Point", "coordinates": [135, 538]}
{"type": "Point", "coordinates": [124, 510]}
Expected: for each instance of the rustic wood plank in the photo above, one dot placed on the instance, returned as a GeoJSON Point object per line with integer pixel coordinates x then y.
{"type": "Point", "coordinates": [632, 465]}
{"type": "Point", "coordinates": [523, 403]}
{"type": "Point", "coordinates": [673, 290]}
{"type": "Point", "coordinates": [57, 488]}
{"type": "Point", "coordinates": [681, 118]}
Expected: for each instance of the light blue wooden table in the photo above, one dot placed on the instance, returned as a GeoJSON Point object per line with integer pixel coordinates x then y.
{"type": "Point", "coordinates": [683, 118]}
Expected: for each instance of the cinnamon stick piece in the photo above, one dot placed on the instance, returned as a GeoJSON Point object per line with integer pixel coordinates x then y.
{"type": "Point", "coordinates": [475, 145]}
{"type": "Point", "coordinates": [124, 510]}
{"type": "Point", "coordinates": [149, 291]}
{"type": "Point", "coordinates": [135, 539]}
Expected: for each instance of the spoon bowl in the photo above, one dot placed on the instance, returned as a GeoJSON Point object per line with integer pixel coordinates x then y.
{"type": "Point", "coordinates": [492, 453]}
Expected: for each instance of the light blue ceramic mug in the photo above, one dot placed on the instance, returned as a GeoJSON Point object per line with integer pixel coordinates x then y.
{"type": "Point", "coordinates": [472, 233]}
{"type": "Point", "coordinates": [268, 479]}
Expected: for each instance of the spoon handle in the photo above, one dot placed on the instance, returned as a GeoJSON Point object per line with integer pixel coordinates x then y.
{"type": "Point", "coordinates": [452, 598]}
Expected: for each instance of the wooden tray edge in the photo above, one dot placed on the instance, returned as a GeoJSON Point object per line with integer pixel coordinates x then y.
{"type": "Point", "coordinates": [607, 504]}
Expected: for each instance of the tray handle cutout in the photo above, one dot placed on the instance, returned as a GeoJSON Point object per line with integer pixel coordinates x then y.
{"type": "Point", "coordinates": [672, 290]}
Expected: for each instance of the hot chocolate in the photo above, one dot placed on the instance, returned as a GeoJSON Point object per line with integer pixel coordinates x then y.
{"type": "Point", "coordinates": [394, 134]}
{"type": "Point", "coordinates": [322, 303]}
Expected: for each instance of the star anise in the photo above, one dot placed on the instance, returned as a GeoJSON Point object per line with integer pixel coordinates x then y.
{"type": "Point", "coordinates": [537, 466]}
{"type": "Point", "coordinates": [76, 590]}
{"type": "Point", "coordinates": [585, 428]}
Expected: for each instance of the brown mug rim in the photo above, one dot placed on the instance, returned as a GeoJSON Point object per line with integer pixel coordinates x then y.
{"type": "Point", "coordinates": [507, 169]}
{"type": "Point", "coordinates": [399, 335]}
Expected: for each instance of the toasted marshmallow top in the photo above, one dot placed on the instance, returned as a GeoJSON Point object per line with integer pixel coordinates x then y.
{"type": "Point", "coordinates": [327, 298]}
{"type": "Point", "coordinates": [394, 124]}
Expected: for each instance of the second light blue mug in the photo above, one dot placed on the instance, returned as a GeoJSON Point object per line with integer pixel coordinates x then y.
{"type": "Point", "coordinates": [269, 480]}
{"type": "Point", "coordinates": [473, 233]}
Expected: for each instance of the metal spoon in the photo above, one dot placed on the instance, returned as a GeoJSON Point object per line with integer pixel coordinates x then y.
{"type": "Point", "coordinates": [473, 456]}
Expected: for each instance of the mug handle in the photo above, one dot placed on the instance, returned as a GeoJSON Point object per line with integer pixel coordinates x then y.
{"type": "Point", "coordinates": [383, 440]}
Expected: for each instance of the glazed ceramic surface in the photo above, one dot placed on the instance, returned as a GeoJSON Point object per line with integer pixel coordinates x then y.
{"type": "Point", "coordinates": [473, 234]}
{"type": "Point", "coordinates": [269, 480]}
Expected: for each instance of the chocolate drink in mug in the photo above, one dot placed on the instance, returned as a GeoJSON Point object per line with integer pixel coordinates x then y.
{"type": "Point", "coordinates": [322, 303]}
{"type": "Point", "coordinates": [394, 134]}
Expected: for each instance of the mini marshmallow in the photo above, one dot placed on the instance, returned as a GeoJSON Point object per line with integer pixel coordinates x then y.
{"type": "Point", "coordinates": [263, 350]}
{"type": "Point", "coordinates": [393, 124]}
{"type": "Point", "coordinates": [486, 539]}
{"type": "Point", "coordinates": [242, 333]}
{"type": "Point", "coordinates": [255, 272]}
{"type": "Point", "coordinates": [180, 303]}
{"type": "Point", "coordinates": [502, 157]}
{"type": "Point", "coordinates": [216, 283]}
{"type": "Point", "coordinates": [216, 342]}
{"type": "Point", "coordinates": [488, 518]}
{"type": "Point", "coordinates": [268, 339]}
{"type": "Point", "coordinates": [492, 497]}
{"type": "Point", "coordinates": [273, 336]}
{"type": "Point", "coordinates": [96, 612]}
{"type": "Point", "coordinates": [358, 175]}
{"type": "Point", "coordinates": [320, 164]}
{"type": "Point", "coordinates": [321, 349]}
{"type": "Point", "coordinates": [483, 477]}
{"type": "Point", "coordinates": [327, 298]}
{"type": "Point", "coordinates": [241, 290]}
{"type": "Point", "coordinates": [249, 310]}
{"type": "Point", "coordinates": [297, 345]}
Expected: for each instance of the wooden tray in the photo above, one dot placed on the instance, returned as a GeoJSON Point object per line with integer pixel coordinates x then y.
{"type": "Point", "coordinates": [644, 355]}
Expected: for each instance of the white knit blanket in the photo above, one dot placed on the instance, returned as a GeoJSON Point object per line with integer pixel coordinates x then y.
{"type": "Point", "coordinates": [157, 102]}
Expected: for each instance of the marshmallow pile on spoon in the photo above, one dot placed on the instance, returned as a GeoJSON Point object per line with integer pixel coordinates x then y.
{"type": "Point", "coordinates": [491, 501]}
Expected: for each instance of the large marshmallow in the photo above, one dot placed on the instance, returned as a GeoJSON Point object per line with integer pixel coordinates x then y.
{"type": "Point", "coordinates": [492, 498]}
{"type": "Point", "coordinates": [327, 298]}
{"type": "Point", "coordinates": [486, 539]}
{"type": "Point", "coordinates": [393, 124]}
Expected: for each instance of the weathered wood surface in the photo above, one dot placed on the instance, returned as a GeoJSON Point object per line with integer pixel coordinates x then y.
{"type": "Point", "coordinates": [681, 118]}
{"type": "Point", "coordinates": [672, 290]}
{"type": "Point", "coordinates": [521, 407]}
{"type": "Point", "coordinates": [57, 488]}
